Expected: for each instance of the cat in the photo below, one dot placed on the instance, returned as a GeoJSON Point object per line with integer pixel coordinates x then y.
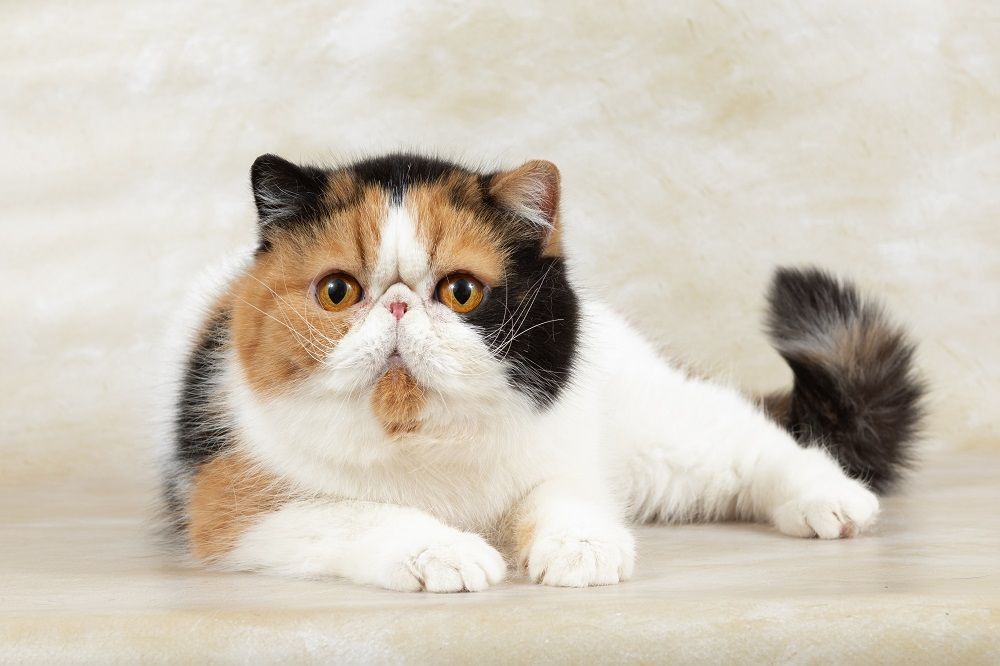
{"type": "Point", "coordinates": [402, 387]}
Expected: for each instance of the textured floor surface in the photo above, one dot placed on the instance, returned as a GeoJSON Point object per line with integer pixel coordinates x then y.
{"type": "Point", "coordinates": [82, 582]}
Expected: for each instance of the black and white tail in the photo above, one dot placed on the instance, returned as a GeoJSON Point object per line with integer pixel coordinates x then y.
{"type": "Point", "coordinates": [855, 392]}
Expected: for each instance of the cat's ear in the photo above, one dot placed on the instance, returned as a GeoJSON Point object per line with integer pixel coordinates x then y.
{"type": "Point", "coordinates": [285, 192]}
{"type": "Point", "coordinates": [532, 191]}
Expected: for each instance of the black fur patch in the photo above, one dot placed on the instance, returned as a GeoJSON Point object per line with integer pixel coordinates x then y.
{"type": "Point", "coordinates": [287, 195]}
{"type": "Point", "coordinates": [200, 431]}
{"type": "Point", "coordinates": [396, 172]}
{"type": "Point", "coordinates": [532, 322]}
{"type": "Point", "coordinates": [855, 391]}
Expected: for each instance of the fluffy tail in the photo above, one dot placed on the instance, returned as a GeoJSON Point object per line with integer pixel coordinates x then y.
{"type": "Point", "coordinates": [855, 391]}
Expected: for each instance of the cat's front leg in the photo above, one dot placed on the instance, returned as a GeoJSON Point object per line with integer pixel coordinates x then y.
{"type": "Point", "coordinates": [568, 536]}
{"type": "Point", "coordinates": [394, 547]}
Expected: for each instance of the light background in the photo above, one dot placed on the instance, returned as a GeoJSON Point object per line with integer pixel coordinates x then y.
{"type": "Point", "coordinates": [701, 144]}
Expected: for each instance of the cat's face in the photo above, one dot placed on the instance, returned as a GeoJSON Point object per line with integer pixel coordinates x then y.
{"type": "Point", "coordinates": [400, 279]}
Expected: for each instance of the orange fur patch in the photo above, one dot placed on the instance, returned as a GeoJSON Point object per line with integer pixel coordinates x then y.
{"type": "Point", "coordinates": [227, 494]}
{"type": "Point", "coordinates": [397, 401]}
{"type": "Point", "coordinates": [279, 332]}
{"type": "Point", "coordinates": [456, 239]}
{"type": "Point", "coordinates": [513, 533]}
{"type": "Point", "coordinates": [524, 535]}
{"type": "Point", "coordinates": [777, 405]}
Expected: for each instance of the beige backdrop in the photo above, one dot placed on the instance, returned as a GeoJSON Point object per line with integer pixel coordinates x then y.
{"type": "Point", "coordinates": [701, 145]}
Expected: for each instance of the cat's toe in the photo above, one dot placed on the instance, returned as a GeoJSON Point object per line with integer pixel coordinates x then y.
{"type": "Point", "coordinates": [841, 511]}
{"type": "Point", "coordinates": [581, 560]}
{"type": "Point", "coordinates": [465, 563]}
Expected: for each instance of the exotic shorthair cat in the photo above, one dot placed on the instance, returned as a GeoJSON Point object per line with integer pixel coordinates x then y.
{"type": "Point", "coordinates": [402, 387]}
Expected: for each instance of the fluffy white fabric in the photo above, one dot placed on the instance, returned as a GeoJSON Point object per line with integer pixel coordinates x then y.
{"type": "Point", "coordinates": [701, 144]}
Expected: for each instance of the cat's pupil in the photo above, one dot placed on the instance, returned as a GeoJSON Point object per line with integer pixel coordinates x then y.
{"type": "Point", "coordinates": [461, 290]}
{"type": "Point", "coordinates": [336, 290]}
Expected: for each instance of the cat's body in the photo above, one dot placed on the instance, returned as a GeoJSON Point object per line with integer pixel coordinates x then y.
{"type": "Point", "coordinates": [399, 437]}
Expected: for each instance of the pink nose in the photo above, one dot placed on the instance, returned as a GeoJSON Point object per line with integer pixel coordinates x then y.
{"type": "Point", "coordinates": [398, 309]}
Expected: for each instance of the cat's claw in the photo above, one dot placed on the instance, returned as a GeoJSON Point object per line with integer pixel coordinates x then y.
{"type": "Point", "coordinates": [840, 511]}
{"type": "Point", "coordinates": [576, 559]}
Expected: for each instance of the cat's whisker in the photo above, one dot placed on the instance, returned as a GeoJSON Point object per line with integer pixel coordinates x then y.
{"type": "Point", "coordinates": [523, 307]}
{"type": "Point", "coordinates": [323, 349]}
{"type": "Point", "coordinates": [302, 341]}
{"type": "Point", "coordinates": [527, 310]}
{"type": "Point", "coordinates": [520, 333]}
{"type": "Point", "coordinates": [521, 312]}
{"type": "Point", "coordinates": [284, 282]}
{"type": "Point", "coordinates": [314, 332]}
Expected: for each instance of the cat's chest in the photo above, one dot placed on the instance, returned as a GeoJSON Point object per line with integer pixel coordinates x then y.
{"type": "Point", "coordinates": [469, 497]}
{"type": "Point", "coordinates": [466, 492]}
{"type": "Point", "coordinates": [468, 473]}
{"type": "Point", "coordinates": [468, 479]}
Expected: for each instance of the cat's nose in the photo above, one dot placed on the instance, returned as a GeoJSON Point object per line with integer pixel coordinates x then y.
{"type": "Point", "coordinates": [398, 309]}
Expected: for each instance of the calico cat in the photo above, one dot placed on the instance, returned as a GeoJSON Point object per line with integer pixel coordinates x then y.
{"type": "Point", "coordinates": [402, 387]}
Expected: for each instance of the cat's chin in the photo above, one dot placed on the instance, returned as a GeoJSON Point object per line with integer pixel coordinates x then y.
{"type": "Point", "coordinates": [394, 361]}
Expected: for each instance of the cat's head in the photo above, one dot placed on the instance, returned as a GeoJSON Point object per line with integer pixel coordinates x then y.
{"type": "Point", "coordinates": [415, 286]}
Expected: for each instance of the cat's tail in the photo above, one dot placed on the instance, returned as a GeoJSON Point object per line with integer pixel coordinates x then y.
{"type": "Point", "coordinates": [856, 391]}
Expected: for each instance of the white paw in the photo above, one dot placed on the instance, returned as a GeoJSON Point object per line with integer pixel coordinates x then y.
{"type": "Point", "coordinates": [575, 558]}
{"type": "Point", "coordinates": [837, 511]}
{"type": "Point", "coordinates": [456, 562]}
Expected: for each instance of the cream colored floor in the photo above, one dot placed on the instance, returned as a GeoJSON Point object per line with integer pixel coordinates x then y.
{"type": "Point", "coordinates": [83, 582]}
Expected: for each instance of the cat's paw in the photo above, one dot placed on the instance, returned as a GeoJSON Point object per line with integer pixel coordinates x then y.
{"type": "Point", "coordinates": [839, 510]}
{"type": "Point", "coordinates": [455, 562]}
{"type": "Point", "coordinates": [576, 558]}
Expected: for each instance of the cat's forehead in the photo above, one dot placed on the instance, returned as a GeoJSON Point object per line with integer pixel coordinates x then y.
{"type": "Point", "coordinates": [386, 226]}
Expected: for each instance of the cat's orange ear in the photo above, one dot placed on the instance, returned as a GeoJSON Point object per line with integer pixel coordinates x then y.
{"type": "Point", "coordinates": [285, 193]}
{"type": "Point", "coordinates": [532, 192]}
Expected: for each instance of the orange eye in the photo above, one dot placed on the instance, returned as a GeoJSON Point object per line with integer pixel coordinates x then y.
{"type": "Point", "coordinates": [337, 291]}
{"type": "Point", "coordinates": [462, 293]}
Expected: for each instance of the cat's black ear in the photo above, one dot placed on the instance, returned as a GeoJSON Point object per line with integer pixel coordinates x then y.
{"type": "Point", "coordinates": [532, 191]}
{"type": "Point", "coordinates": [285, 192]}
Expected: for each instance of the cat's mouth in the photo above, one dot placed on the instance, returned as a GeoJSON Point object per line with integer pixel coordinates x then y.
{"type": "Point", "coordinates": [395, 360]}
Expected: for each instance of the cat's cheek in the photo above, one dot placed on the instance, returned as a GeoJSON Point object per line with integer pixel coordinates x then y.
{"type": "Point", "coordinates": [370, 340]}
{"type": "Point", "coordinates": [435, 349]}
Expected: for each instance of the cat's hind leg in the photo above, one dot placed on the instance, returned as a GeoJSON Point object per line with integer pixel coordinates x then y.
{"type": "Point", "coordinates": [688, 449]}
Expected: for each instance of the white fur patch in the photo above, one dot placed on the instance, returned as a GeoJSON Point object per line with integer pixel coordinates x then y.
{"type": "Point", "coordinates": [401, 255]}
{"type": "Point", "coordinates": [395, 547]}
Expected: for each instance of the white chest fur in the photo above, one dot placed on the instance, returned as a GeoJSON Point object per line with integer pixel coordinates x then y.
{"type": "Point", "coordinates": [467, 471]}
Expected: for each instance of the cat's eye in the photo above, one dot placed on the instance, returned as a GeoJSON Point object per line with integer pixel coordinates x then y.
{"type": "Point", "coordinates": [337, 291]}
{"type": "Point", "coordinates": [462, 293]}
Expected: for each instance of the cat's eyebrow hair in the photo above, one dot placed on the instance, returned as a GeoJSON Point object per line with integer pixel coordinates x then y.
{"type": "Point", "coordinates": [432, 244]}
{"type": "Point", "coordinates": [359, 243]}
